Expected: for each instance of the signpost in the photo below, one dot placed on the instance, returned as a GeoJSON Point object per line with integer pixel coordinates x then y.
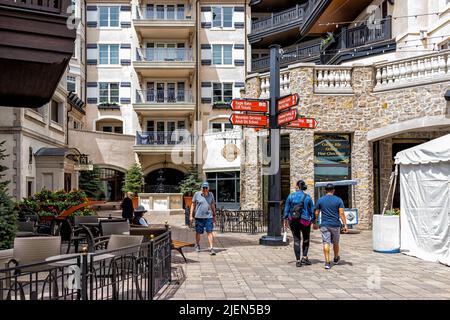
{"type": "Point", "coordinates": [287, 116]}
{"type": "Point", "coordinates": [251, 120]}
{"type": "Point", "coordinates": [288, 102]}
{"type": "Point", "coordinates": [302, 123]}
{"type": "Point", "coordinates": [274, 115]}
{"type": "Point", "coordinates": [250, 105]}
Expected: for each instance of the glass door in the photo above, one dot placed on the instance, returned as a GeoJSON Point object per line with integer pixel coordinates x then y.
{"type": "Point", "coordinates": [160, 12]}
{"type": "Point", "coordinates": [160, 132]}
{"type": "Point", "coordinates": [170, 12]}
{"type": "Point", "coordinates": [180, 11]}
{"type": "Point", "coordinates": [171, 52]}
{"type": "Point", "coordinates": [170, 132]}
{"type": "Point", "coordinates": [150, 52]}
{"type": "Point", "coordinates": [150, 12]}
{"type": "Point", "coordinates": [150, 94]}
{"type": "Point", "coordinates": [180, 92]}
{"type": "Point", "coordinates": [171, 92]}
{"type": "Point", "coordinates": [160, 52]}
{"type": "Point", "coordinates": [160, 92]}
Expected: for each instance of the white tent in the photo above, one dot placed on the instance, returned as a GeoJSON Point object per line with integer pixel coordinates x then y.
{"type": "Point", "coordinates": [424, 202]}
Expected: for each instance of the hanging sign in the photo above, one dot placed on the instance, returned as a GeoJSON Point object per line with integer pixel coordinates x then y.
{"type": "Point", "coordinates": [250, 105]}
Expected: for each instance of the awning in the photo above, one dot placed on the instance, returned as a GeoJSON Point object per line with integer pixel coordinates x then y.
{"type": "Point", "coordinates": [433, 151]}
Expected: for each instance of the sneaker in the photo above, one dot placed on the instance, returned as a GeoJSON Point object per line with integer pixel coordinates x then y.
{"type": "Point", "coordinates": [212, 252]}
{"type": "Point", "coordinates": [337, 259]}
{"type": "Point", "coordinates": [306, 261]}
{"type": "Point", "coordinates": [298, 263]}
{"type": "Point", "coordinates": [327, 265]}
{"type": "Point", "coordinates": [197, 247]}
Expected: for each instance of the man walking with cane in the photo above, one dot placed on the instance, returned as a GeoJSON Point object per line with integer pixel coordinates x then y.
{"type": "Point", "coordinates": [203, 208]}
{"type": "Point", "coordinates": [331, 208]}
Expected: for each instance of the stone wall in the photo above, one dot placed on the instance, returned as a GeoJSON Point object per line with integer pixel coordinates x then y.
{"type": "Point", "coordinates": [356, 113]}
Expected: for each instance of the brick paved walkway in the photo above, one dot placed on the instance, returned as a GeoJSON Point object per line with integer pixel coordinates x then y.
{"type": "Point", "coordinates": [242, 269]}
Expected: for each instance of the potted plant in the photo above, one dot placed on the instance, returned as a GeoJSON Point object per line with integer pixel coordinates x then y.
{"type": "Point", "coordinates": [386, 231]}
{"type": "Point", "coordinates": [327, 41]}
{"type": "Point", "coordinates": [134, 181]}
{"type": "Point", "coordinates": [189, 185]}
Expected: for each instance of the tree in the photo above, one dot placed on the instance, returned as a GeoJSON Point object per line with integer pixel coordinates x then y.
{"type": "Point", "coordinates": [191, 183]}
{"type": "Point", "coordinates": [134, 179]}
{"type": "Point", "coordinates": [8, 216]}
{"type": "Point", "coordinates": [90, 183]}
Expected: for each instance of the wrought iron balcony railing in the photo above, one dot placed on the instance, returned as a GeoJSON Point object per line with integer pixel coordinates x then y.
{"type": "Point", "coordinates": [164, 54]}
{"type": "Point", "coordinates": [159, 138]}
{"type": "Point", "coordinates": [160, 13]}
{"type": "Point", "coordinates": [278, 19]}
{"type": "Point", "coordinates": [54, 6]}
{"type": "Point", "coordinates": [163, 96]}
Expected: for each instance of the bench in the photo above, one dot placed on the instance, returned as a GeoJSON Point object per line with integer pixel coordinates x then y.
{"type": "Point", "coordinates": [179, 245]}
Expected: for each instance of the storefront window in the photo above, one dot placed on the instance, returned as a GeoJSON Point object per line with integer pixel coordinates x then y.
{"type": "Point", "coordinates": [225, 187]}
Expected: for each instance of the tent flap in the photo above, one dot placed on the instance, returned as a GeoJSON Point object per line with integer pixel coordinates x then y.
{"type": "Point", "coordinates": [433, 151]}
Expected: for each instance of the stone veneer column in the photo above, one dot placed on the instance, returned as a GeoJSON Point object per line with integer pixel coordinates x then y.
{"type": "Point", "coordinates": [302, 141]}
{"type": "Point", "coordinates": [250, 182]}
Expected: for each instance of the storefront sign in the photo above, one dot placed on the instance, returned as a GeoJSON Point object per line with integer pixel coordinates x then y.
{"type": "Point", "coordinates": [332, 148]}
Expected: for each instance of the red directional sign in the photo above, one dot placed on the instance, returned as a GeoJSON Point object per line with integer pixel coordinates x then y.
{"type": "Point", "coordinates": [287, 102]}
{"type": "Point", "coordinates": [303, 123]}
{"type": "Point", "coordinates": [288, 116]}
{"type": "Point", "coordinates": [249, 120]}
{"type": "Point", "coordinates": [250, 105]}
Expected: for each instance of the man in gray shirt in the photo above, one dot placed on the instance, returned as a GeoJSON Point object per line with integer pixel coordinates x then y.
{"type": "Point", "coordinates": [203, 208]}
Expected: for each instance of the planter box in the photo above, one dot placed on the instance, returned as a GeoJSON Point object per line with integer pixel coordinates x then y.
{"type": "Point", "coordinates": [386, 234]}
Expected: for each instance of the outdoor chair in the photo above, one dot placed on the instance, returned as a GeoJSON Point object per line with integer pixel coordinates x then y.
{"type": "Point", "coordinates": [28, 255]}
{"type": "Point", "coordinates": [123, 266]}
{"type": "Point", "coordinates": [68, 234]}
{"type": "Point", "coordinates": [107, 228]}
{"type": "Point", "coordinates": [84, 219]}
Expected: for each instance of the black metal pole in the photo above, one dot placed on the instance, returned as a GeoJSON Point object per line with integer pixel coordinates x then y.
{"type": "Point", "coordinates": [273, 237]}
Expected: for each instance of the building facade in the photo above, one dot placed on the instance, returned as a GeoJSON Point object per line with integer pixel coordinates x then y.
{"type": "Point", "coordinates": [381, 91]}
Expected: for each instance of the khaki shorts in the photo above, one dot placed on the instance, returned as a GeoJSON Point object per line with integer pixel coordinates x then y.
{"type": "Point", "coordinates": [330, 234]}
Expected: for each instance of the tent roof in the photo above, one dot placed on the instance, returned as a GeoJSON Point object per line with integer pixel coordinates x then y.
{"type": "Point", "coordinates": [434, 151]}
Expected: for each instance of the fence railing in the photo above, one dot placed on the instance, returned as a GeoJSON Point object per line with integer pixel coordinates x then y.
{"type": "Point", "coordinates": [163, 96]}
{"type": "Point", "coordinates": [170, 12]}
{"type": "Point", "coordinates": [284, 84]}
{"type": "Point", "coordinates": [278, 19]}
{"type": "Point", "coordinates": [129, 273]}
{"type": "Point", "coordinates": [176, 137]}
{"type": "Point", "coordinates": [161, 189]}
{"type": "Point", "coordinates": [164, 54]}
{"type": "Point", "coordinates": [53, 6]}
{"type": "Point", "coordinates": [245, 221]}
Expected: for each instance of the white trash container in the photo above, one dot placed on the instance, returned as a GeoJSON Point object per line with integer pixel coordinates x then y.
{"type": "Point", "coordinates": [386, 233]}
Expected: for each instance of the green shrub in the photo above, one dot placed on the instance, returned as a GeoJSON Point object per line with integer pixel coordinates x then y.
{"type": "Point", "coordinates": [91, 183]}
{"type": "Point", "coordinates": [134, 179]}
{"type": "Point", "coordinates": [191, 183]}
{"type": "Point", "coordinates": [8, 215]}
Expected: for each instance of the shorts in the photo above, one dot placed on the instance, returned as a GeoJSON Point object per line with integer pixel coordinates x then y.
{"type": "Point", "coordinates": [204, 223]}
{"type": "Point", "coordinates": [330, 234]}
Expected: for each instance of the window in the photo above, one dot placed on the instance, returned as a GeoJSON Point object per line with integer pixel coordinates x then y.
{"type": "Point", "coordinates": [71, 84]}
{"type": "Point", "coordinates": [222, 17]}
{"type": "Point", "coordinates": [444, 45]}
{"type": "Point", "coordinates": [222, 92]}
{"type": "Point", "coordinates": [221, 126]}
{"type": "Point", "coordinates": [30, 188]}
{"type": "Point", "coordinates": [225, 187]}
{"type": "Point", "coordinates": [109, 92]}
{"type": "Point", "coordinates": [55, 111]}
{"type": "Point", "coordinates": [109, 16]}
{"type": "Point", "coordinates": [108, 54]}
{"type": "Point", "coordinates": [222, 54]}
{"type": "Point", "coordinates": [30, 155]}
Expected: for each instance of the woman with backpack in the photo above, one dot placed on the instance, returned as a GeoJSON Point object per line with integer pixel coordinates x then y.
{"type": "Point", "coordinates": [299, 215]}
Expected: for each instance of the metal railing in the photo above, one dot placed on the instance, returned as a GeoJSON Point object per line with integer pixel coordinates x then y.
{"type": "Point", "coordinates": [153, 13]}
{"type": "Point", "coordinates": [244, 221]}
{"type": "Point", "coordinates": [53, 6]}
{"type": "Point", "coordinates": [164, 54]}
{"type": "Point", "coordinates": [163, 96]}
{"type": "Point", "coordinates": [278, 19]}
{"type": "Point", "coordinates": [290, 55]}
{"type": "Point", "coordinates": [176, 137]}
{"type": "Point", "coordinates": [129, 273]}
{"type": "Point", "coordinates": [368, 33]}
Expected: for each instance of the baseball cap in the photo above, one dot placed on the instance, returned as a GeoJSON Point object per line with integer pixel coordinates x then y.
{"type": "Point", "coordinates": [329, 186]}
{"type": "Point", "coordinates": [205, 185]}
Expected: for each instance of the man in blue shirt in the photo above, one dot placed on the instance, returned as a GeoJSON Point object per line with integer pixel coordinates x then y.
{"type": "Point", "coordinates": [331, 208]}
{"type": "Point", "coordinates": [302, 226]}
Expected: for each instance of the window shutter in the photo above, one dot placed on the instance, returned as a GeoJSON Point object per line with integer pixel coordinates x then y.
{"type": "Point", "coordinates": [239, 17]}
{"type": "Point", "coordinates": [91, 16]}
{"type": "Point", "coordinates": [125, 92]}
{"type": "Point", "coordinates": [125, 54]}
{"type": "Point", "coordinates": [125, 16]}
{"type": "Point", "coordinates": [238, 86]}
{"type": "Point", "coordinates": [206, 17]}
{"type": "Point", "coordinates": [206, 92]}
{"type": "Point", "coordinates": [239, 55]}
{"type": "Point", "coordinates": [206, 54]}
{"type": "Point", "coordinates": [92, 53]}
{"type": "Point", "coordinates": [92, 92]}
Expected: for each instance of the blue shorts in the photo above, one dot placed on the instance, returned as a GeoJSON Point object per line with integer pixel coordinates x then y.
{"type": "Point", "coordinates": [204, 223]}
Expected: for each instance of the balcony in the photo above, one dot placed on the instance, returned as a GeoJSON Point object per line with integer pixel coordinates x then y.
{"type": "Point", "coordinates": [167, 102]}
{"type": "Point", "coordinates": [161, 142]}
{"type": "Point", "coordinates": [36, 44]}
{"type": "Point", "coordinates": [164, 24]}
{"type": "Point", "coordinates": [164, 62]}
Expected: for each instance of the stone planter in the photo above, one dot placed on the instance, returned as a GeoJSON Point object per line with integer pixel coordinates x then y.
{"type": "Point", "coordinates": [386, 234]}
{"type": "Point", "coordinates": [5, 256]}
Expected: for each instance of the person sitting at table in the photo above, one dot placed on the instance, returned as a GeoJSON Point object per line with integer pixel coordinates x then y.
{"type": "Point", "coordinates": [139, 216]}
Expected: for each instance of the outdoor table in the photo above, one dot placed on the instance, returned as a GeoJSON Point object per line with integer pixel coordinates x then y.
{"type": "Point", "coordinates": [74, 259]}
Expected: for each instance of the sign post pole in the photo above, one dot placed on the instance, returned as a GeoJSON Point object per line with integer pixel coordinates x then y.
{"type": "Point", "coordinates": [273, 237]}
